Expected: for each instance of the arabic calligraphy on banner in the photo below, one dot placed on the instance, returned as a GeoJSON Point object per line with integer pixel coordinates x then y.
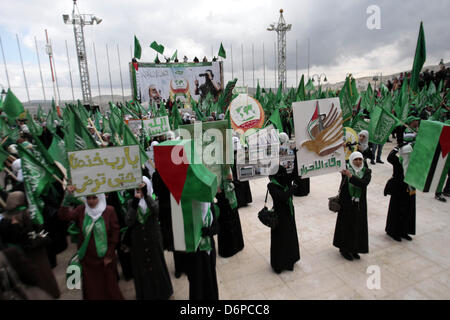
{"type": "Point", "coordinates": [153, 126]}
{"type": "Point", "coordinates": [105, 169]}
{"type": "Point", "coordinates": [319, 136]}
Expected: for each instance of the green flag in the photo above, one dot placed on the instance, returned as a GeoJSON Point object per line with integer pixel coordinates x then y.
{"type": "Point", "coordinates": [402, 106]}
{"type": "Point", "coordinates": [419, 59]}
{"type": "Point", "coordinates": [276, 120]}
{"type": "Point", "coordinates": [346, 103]}
{"type": "Point", "coordinates": [34, 128]}
{"type": "Point", "coordinates": [222, 52]}
{"type": "Point", "coordinates": [381, 125]}
{"type": "Point", "coordinates": [301, 96]}
{"type": "Point", "coordinates": [156, 59]}
{"type": "Point", "coordinates": [58, 152]}
{"type": "Point", "coordinates": [358, 123]}
{"type": "Point", "coordinates": [36, 178]}
{"type": "Point", "coordinates": [129, 139]}
{"type": "Point", "coordinates": [258, 92]}
{"type": "Point", "coordinates": [12, 107]}
{"type": "Point", "coordinates": [199, 115]}
{"type": "Point", "coordinates": [310, 86]}
{"type": "Point", "coordinates": [137, 48]}
{"type": "Point", "coordinates": [157, 47]}
{"type": "Point", "coordinates": [3, 156]}
{"type": "Point", "coordinates": [77, 137]}
{"type": "Point", "coordinates": [175, 119]}
{"type": "Point", "coordinates": [174, 56]}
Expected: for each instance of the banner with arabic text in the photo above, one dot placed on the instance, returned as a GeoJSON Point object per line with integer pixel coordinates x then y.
{"type": "Point", "coordinates": [319, 136]}
{"type": "Point", "coordinates": [105, 170]}
{"type": "Point", "coordinates": [153, 126]}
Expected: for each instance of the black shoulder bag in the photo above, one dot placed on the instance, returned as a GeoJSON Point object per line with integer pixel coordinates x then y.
{"type": "Point", "coordinates": [268, 217]}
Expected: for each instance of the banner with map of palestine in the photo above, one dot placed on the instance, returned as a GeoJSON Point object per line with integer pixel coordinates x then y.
{"type": "Point", "coordinates": [173, 80]}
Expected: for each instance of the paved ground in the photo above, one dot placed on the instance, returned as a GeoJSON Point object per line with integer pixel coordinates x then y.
{"type": "Point", "coordinates": [409, 270]}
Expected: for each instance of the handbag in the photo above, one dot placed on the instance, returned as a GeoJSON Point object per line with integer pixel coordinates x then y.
{"type": "Point", "coordinates": [333, 204]}
{"type": "Point", "coordinates": [268, 217]}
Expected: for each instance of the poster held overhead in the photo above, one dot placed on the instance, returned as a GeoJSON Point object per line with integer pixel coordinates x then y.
{"type": "Point", "coordinates": [319, 136]}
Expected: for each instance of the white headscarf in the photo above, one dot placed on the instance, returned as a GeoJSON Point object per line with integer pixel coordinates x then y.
{"type": "Point", "coordinates": [96, 213]}
{"type": "Point", "coordinates": [142, 202]}
{"type": "Point", "coordinates": [353, 156]}
{"type": "Point", "coordinates": [17, 169]}
{"type": "Point", "coordinates": [364, 144]}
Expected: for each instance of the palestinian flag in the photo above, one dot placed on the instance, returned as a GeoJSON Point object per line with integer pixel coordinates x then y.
{"type": "Point", "coordinates": [192, 188]}
{"type": "Point", "coordinates": [429, 162]}
{"type": "Point", "coordinates": [313, 124]}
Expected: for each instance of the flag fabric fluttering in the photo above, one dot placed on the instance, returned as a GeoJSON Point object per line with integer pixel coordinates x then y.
{"type": "Point", "coordinates": [137, 48]}
{"type": "Point", "coordinates": [276, 120]}
{"type": "Point", "coordinates": [419, 59]}
{"type": "Point", "coordinates": [174, 56]}
{"type": "Point", "coordinates": [222, 52]}
{"type": "Point", "coordinates": [382, 123]}
{"type": "Point", "coordinates": [157, 47]}
{"type": "Point", "coordinates": [12, 107]}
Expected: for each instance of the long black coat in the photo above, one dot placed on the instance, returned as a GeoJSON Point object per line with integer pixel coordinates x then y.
{"type": "Point", "coordinates": [230, 239]}
{"type": "Point", "coordinates": [301, 186]}
{"type": "Point", "coordinates": [241, 188]}
{"type": "Point", "coordinates": [401, 217]}
{"type": "Point", "coordinates": [151, 277]}
{"type": "Point", "coordinates": [201, 269]}
{"type": "Point", "coordinates": [351, 233]}
{"type": "Point", "coordinates": [284, 248]}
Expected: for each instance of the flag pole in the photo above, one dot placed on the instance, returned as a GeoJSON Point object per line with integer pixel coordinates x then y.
{"type": "Point", "coordinates": [109, 70]}
{"type": "Point", "coordinates": [243, 76]}
{"type": "Point", "coordinates": [264, 67]}
{"type": "Point", "coordinates": [70, 71]}
{"type": "Point", "coordinates": [253, 64]}
{"type": "Point", "coordinates": [98, 79]}
{"type": "Point", "coordinates": [232, 74]}
{"type": "Point", "coordinates": [4, 63]}
{"type": "Point", "coordinates": [120, 72]}
{"type": "Point", "coordinates": [23, 68]}
{"type": "Point", "coordinates": [40, 70]}
{"type": "Point", "coordinates": [95, 129]}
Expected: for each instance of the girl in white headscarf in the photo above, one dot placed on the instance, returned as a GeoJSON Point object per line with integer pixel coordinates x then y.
{"type": "Point", "coordinates": [97, 221]}
{"type": "Point", "coordinates": [351, 233]}
{"type": "Point", "coordinates": [150, 273]}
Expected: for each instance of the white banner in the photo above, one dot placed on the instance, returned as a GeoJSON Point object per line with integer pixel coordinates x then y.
{"type": "Point", "coordinates": [154, 126]}
{"type": "Point", "coordinates": [177, 80]}
{"type": "Point", "coordinates": [105, 169]}
{"type": "Point", "coordinates": [319, 137]}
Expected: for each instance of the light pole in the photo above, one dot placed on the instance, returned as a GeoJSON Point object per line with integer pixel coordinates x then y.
{"type": "Point", "coordinates": [79, 21]}
{"type": "Point", "coordinates": [319, 77]}
{"type": "Point", "coordinates": [281, 28]}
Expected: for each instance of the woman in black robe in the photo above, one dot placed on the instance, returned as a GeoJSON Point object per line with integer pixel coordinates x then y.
{"type": "Point", "coordinates": [242, 188]}
{"type": "Point", "coordinates": [301, 186]}
{"type": "Point", "coordinates": [284, 247]}
{"type": "Point", "coordinates": [351, 234]}
{"type": "Point", "coordinates": [123, 248]}
{"type": "Point", "coordinates": [201, 265]}
{"type": "Point", "coordinates": [401, 218]}
{"type": "Point", "coordinates": [163, 195]}
{"type": "Point", "coordinates": [230, 238]}
{"type": "Point", "coordinates": [151, 277]}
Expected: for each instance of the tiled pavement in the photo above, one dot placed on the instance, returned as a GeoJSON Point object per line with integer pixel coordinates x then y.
{"type": "Point", "coordinates": [419, 269]}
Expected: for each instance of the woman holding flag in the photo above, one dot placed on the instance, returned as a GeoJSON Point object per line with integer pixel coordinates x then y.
{"type": "Point", "coordinates": [98, 221]}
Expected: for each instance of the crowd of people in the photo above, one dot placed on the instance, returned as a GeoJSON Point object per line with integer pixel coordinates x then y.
{"type": "Point", "coordinates": [133, 227]}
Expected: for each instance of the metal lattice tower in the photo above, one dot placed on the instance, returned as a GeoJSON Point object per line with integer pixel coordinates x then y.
{"type": "Point", "coordinates": [281, 29]}
{"type": "Point", "coordinates": [79, 21]}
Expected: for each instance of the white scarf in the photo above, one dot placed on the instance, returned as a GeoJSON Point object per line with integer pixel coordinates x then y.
{"type": "Point", "coordinates": [353, 156]}
{"type": "Point", "coordinates": [142, 202]}
{"type": "Point", "coordinates": [96, 213]}
{"type": "Point", "coordinates": [405, 152]}
{"type": "Point", "coordinates": [364, 144]}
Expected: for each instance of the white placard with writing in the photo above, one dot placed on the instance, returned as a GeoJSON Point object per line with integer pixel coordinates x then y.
{"type": "Point", "coordinates": [319, 137]}
{"type": "Point", "coordinates": [105, 170]}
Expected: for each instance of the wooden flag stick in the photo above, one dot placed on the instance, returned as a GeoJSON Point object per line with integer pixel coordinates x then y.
{"type": "Point", "coordinates": [4, 140]}
{"type": "Point", "coordinates": [95, 129]}
{"type": "Point", "coordinates": [10, 173]}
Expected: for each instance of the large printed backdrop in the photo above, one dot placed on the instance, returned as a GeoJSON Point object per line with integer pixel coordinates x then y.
{"type": "Point", "coordinates": [176, 80]}
{"type": "Point", "coordinates": [319, 136]}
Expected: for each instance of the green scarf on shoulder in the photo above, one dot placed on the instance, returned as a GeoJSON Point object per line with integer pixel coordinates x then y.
{"type": "Point", "coordinates": [291, 207]}
{"type": "Point", "coordinates": [355, 191]}
{"type": "Point", "coordinates": [100, 236]}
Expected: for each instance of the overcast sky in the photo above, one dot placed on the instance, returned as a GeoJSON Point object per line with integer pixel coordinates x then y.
{"type": "Point", "coordinates": [340, 41]}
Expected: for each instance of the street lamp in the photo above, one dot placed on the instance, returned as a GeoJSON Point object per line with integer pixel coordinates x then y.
{"type": "Point", "coordinates": [319, 77]}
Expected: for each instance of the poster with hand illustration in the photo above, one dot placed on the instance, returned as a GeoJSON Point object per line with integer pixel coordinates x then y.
{"type": "Point", "coordinates": [319, 137]}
